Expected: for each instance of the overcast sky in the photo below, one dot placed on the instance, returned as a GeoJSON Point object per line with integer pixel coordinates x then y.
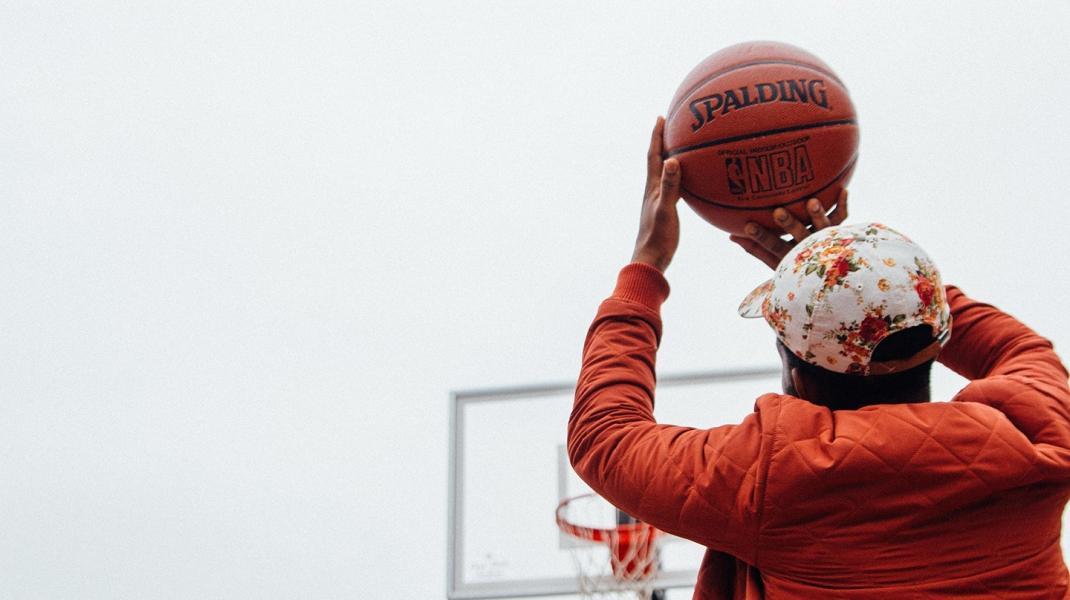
{"type": "Point", "coordinates": [249, 248]}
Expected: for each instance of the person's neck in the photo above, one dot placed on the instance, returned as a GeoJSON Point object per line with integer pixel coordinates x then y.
{"type": "Point", "coordinates": [918, 396]}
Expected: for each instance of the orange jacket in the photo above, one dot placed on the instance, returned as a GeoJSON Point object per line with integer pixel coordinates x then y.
{"type": "Point", "coordinates": [936, 500]}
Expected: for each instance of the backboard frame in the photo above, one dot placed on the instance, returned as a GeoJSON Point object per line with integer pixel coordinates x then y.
{"type": "Point", "coordinates": [457, 587]}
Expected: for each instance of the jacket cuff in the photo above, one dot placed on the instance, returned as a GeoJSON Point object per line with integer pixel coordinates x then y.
{"type": "Point", "coordinates": [642, 284]}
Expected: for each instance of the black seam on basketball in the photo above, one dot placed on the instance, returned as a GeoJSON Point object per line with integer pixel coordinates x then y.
{"type": "Point", "coordinates": [712, 76]}
{"type": "Point", "coordinates": [772, 206]}
{"type": "Point", "coordinates": [747, 136]}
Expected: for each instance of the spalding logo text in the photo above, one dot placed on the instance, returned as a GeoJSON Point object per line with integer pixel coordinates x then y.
{"type": "Point", "coordinates": [806, 91]}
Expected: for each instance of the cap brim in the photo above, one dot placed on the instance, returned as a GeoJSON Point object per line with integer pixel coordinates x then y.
{"type": "Point", "coordinates": [751, 307]}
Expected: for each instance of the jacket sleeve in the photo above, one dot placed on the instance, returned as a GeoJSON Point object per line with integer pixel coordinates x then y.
{"type": "Point", "coordinates": [1013, 370]}
{"type": "Point", "coordinates": [698, 484]}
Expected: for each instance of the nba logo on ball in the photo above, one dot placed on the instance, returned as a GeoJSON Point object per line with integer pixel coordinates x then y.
{"type": "Point", "coordinates": [733, 168]}
{"type": "Point", "coordinates": [759, 126]}
{"type": "Point", "coordinates": [768, 172]}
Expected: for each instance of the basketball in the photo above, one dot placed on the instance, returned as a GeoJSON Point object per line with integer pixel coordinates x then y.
{"type": "Point", "coordinates": [760, 125]}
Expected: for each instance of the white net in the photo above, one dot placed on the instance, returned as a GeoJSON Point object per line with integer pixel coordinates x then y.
{"type": "Point", "coordinates": [618, 558]}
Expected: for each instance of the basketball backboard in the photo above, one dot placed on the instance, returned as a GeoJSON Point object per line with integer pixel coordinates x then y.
{"type": "Point", "coordinates": [509, 470]}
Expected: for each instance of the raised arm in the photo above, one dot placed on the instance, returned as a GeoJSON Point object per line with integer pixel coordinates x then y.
{"type": "Point", "coordinates": [986, 342]}
{"type": "Point", "coordinates": [696, 483]}
{"type": "Point", "coordinates": [1012, 368]}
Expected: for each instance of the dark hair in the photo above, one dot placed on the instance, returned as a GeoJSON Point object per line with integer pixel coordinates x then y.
{"type": "Point", "coordinates": [843, 391]}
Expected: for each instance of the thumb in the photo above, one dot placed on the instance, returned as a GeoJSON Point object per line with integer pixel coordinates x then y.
{"type": "Point", "coordinates": [670, 183]}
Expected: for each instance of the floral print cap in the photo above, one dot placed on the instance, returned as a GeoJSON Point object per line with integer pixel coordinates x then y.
{"type": "Point", "coordinates": [842, 290]}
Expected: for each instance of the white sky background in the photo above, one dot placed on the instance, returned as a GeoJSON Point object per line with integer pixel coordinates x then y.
{"type": "Point", "coordinates": [247, 250]}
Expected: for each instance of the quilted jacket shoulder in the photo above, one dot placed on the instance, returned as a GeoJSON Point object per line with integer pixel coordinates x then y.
{"type": "Point", "coordinates": [886, 489]}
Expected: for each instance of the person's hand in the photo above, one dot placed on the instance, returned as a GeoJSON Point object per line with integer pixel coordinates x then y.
{"type": "Point", "coordinates": [659, 224]}
{"type": "Point", "coordinates": [767, 245]}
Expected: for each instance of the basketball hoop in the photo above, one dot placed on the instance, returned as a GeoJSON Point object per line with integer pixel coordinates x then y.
{"type": "Point", "coordinates": [617, 560]}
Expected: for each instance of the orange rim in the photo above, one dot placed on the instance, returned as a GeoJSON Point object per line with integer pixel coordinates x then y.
{"type": "Point", "coordinates": [622, 534]}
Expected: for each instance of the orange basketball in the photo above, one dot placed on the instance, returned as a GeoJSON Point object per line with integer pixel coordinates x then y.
{"type": "Point", "coordinates": [760, 125]}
